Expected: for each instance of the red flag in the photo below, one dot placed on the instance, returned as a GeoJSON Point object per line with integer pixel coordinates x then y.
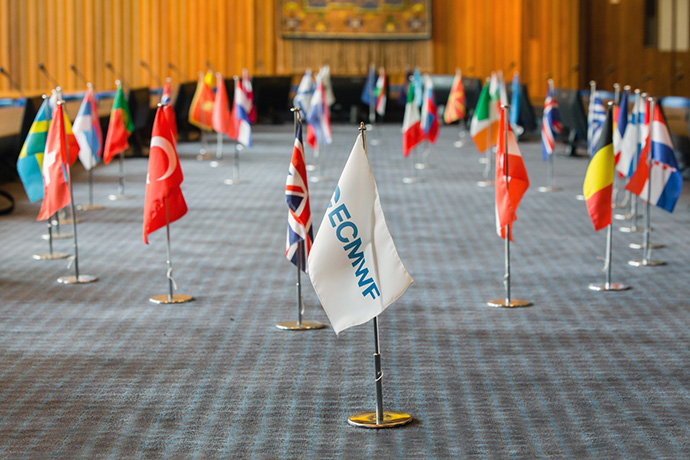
{"type": "Point", "coordinates": [222, 118]}
{"type": "Point", "coordinates": [168, 109]}
{"type": "Point", "coordinates": [119, 127]}
{"type": "Point", "coordinates": [509, 190]}
{"type": "Point", "coordinates": [163, 195]}
{"type": "Point", "coordinates": [201, 109]}
{"type": "Point", "coordinates": [55, 187]}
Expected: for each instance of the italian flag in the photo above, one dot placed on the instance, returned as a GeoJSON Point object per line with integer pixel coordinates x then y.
{"type": "Point", "coordinates": [412, 126]}
{"type": "Point", "coordinates": [119, 127]}
{"type": "Point", "coordinates": [483, 129]}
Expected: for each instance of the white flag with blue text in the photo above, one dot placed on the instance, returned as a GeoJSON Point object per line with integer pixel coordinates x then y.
{"type": "Point", "coordinates": [353, 265]}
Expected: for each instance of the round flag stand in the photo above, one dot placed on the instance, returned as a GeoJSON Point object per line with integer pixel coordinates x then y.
{"type": "Point", "coordinates": [550, 126]}
{"type": "Point", "coordinates": [507, 302]}
{"type": "Point", "coordinates": [236, 168]}
{"type": "Point", "coordinates": [204, 154]}
{"type": "Point", "coordinates": [219, 151]}
{"type": "Point", "coordinates": [379, 418]}
{"type": "Point", "coordinates": [76, 278]}
{"type": "Point", "coordinates": [486, 159]}
{"type": "Point", "coordinates": [415, 174]}
{"type": "Point", "coordinates": [50, 255]}
{"type": "Point", "coordinates": [300, 324]}
{"type": "Point", "coordinates": [120, 195]}
{"type": "Point", "coordinates": [58, 235]}
{"type": "Point", "coordinates": [608, 285]}
{"type": "Point", "coordinates": [90, 206]}
{"type": "Point", "coordinates": [423, 164]}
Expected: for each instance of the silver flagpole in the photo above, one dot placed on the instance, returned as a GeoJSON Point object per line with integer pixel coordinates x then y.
{"type": "Point", "coordinates": [50, 255]}
{"type": "Point", "coordinates": [77, 278]}
{"type": "Point", "coordinates": [235, 169]}
{"type": "Point", "coordinates": [487, 182]}
{"type": "Point", "coordinates": [299, 325]}
{"type": "Point", "coordinates": [646, 246]}
{"type": "Point", "coordinates": [219, 151]}
{"type": "Point", "coordinates": [379, 418]}
{"type": "Point", "coordinates": [121, 182]}
{"type": "Point", "coordinates": [507, 301]}
{"type": "Point", "coordinates": [616, 180]}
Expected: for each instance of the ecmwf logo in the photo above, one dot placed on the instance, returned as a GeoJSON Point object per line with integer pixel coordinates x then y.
{"type": "Point", "coordinates": [346, 231]}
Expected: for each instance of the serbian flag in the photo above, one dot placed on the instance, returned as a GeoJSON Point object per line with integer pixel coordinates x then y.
{"type": "Point", "coordinates": [168, 109]}
{"type": "Point", "coordinates": [163, 202]}
{"type": "Point", "coordinates": [621, 125]}
{"type": "Point", "coordinates": [201, 109]}
{"type": "Point", "coordinates": [455, 107]}
{"type": "Point", "coordinates": [119, 127]}
{"type": "Point", "coordinates": [482, 125]}
{"type": "Point", "coordinates": [630, 148]}
{"type": "Point", "coordinates": [412, 126]}
{"type": "Point", "coordinates": [663, 186]}
{"type": "Point", "coordinates": [299, 215]}
{"type": "Point", "coordinates": [381, 89]}
{"type": "Point", "coordinates": [318, 116]}
{"type": "Point", "coordinates": [222, 118]}
{"type": "Point", "coordinates": [550, 124]}
{"type": "Point", "coordinates": [249, 95]}
{"type": "Point", "coordinates": [30, 161]}
{"type": "Point", "coordinates": [243, 128]}
{"type": "Point", "coordinates": [511, 178]}
{"type": "Point", "coordinates": [598, 186]}
{"type": "Point", "coordinates": [429, 119]}
{"type": "Point", "coordinates": [87, 131]}
{"type": "Point", "coordinates": [55, 186]}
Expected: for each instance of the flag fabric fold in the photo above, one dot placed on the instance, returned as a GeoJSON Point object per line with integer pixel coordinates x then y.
{"type": "Point", "coordinates": [299, 229]}
{"type": "Point", "coordinates": [413, 134]}
{"type": "Point", "coordinates": [666, 180]}
{"type": "Point", "coordinates": [483, 128]}
{"type": "Point", "coordinates": [30, 161]}
{"type": "Point", "coordinates": [429, 117]}
{"type": "Point", "coordinates": [508, 190]}
{"type": "Point", "coordinates": [455, 106]}
{"type": "Point", "coordinates": [243, 128]}
{"type": "Point", "coordinates": [201, 108]}
{"type": "Point", "coordinates": [318, 116]}
{"type": "Point", "coordinates": [550, 124]}
{"type": "Point", "coordinates": [222, 117]}
{"type": "Point", "coordinates": [354, 266]}
{"type": "Point", "coordinates": [328, 85]}
{"type": "Point", "coordinates": [630, 147]}
{"type": "Point", "coordinates": [120, 127]}
{"type": "Point", "coordinates": [163, 179]}
{"type": "Point", "coordinates": [621, 125]}
{"type": "Point", "coordinates": [596, 116]}
{"type": "Point", "coordinates": [169, 110]}
{"type": "Point", "coordinates": [598, 185]}
{"type": "Point", "coordinates": [249, 96]}
{"type": "Point", "coordinates": [87, 131]}
{"type": "Point", "coordinates": [54, 169]}
{"type": "Point", "coordinates": [305, 89]}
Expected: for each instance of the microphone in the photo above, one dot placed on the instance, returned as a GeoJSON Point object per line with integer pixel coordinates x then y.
{"type": "Point", "coordinates": [79, 75]}
{"type": "Point", "coordinates": [155, 77]}
{"type": "Point", "coordinates": [47, 74]}
{"type": "Point", "coordinates": [13, 84]}
{"type": "Point", "coordinates": [174, 68]}
{"type": "Point", "coordinates": [110, 67]}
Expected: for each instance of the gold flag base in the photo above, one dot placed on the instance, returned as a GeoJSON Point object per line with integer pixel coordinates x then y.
{"type": "Point", "coordinates": [89, 207]}
{"type": "Point", "coordinates": [176, 298]}
{"type": "Point", "coordinates": [641, 246]}
{"type": "Point", "coordinates": [546, 189]}
{"type": "Point", "coordinates": [299, 326]}
{"type": "Point", "coordinates": [203, 156]}
{"type": "Point", "coordinates": [485, 183]}
{"type": "Point", "coordinates": [625, 216]}
{"type": "Point", "coordinates": [609, 287]}
{"type": "Point", "coordinates": [49, 256]}
{"type": "Point", "coordinates": [631, 229]}
{"type": "Point", "coordinates": [513, 303]}
{"type": "Point", "coordinates": [234, 181]}
{"type": "Point", "coordinates": [72, 279]}
{"type": "Point", "coordinates": [423, 166]}
{"type": "Point", "coordinates": [646, 263]}
{"type": "Point", "coordinates": [412, 180]}
{"type": "Point", "coordinates": [58, 236]}
{"type": "Point", "coordinates": [118, 197]}
{"type": "Point", "coordinates": [391, 419]}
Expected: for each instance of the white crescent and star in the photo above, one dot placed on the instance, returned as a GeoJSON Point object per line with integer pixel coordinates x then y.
{"type": "Point", "coordinates": [169, 150]}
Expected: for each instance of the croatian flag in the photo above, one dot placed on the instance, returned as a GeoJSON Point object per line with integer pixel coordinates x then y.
{"type": "Point", "coordinates": [664, 184]}
{"type": "Point", "coordinates": [297, 197]}
{"type": "Point", "coordinates": [243, 128]}
{"type": "Point", "coordinates": [550, 124]}
{"type": "Point", "coordinates": [87, 130]}
{"type": "Point", "coordinates": [318, 117]}
{"type": "Point", "coordinates": [595, 121]}
{"type": "Point", "coordinates": [429, 119]}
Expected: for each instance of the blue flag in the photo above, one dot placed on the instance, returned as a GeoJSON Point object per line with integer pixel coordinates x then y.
{"type": "Point", "coordinates": [369, 87]}
{"type": "Point", "coordinates": [515, 100]}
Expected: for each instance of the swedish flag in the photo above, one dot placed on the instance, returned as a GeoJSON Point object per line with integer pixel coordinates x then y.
{"type": "Point", "coordinates": [30, 161]}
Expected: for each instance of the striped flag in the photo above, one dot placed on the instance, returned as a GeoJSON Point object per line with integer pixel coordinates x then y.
{"type": "Point", "coordinates": [299, 212]}
{"type": "Point", "coordinates": [512, 184]}
{"type": "Point", "coordinates": [455, 107]}
{"type": "Point", "coordinates": [243, 128]}
{"type": "Point", "coordinates": [630, 147]}
{"type": "Point", "coordinates": [249, 95]}
{"type": "Point", "coordinates": [598, 186]}
{"type": "Point", "coordinates": [381, 89]}
{"type": "Point", "coordinates": [595, 121]}
{"type": "Point", "coordinates": [666, 182]}
{"type": "Point", "coordinates": [429, 119]}
{"type": "Point", "coordinates": [550, 124]}
{"type": "Point", "coordinates": [87, 131]}
{"type": "Point", "coordinates": [30, 161]}
{"type": "Point", "coordinates": [413, 134]}
{"type": "Point", "coordinates": [482, 123]}
{"type": "Point", "coordinates": [318, 116]}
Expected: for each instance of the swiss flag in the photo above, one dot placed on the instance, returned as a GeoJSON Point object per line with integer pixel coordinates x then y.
{"type": "Point", "coordinates": [55, 186]}
{"type": "Point", "coordinates": [163, 202]}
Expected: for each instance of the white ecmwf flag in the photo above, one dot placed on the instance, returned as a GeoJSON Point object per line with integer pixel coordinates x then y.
{"type": "Point", "coordinates": [353, 264]}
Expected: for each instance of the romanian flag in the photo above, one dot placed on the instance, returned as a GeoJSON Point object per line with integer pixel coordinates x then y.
{"type": "Point", "coordinates": [412, 126]}
{"type": "Point", "coordinates": [30, 159]}
{"type": "Point", "coordinates": [455, 107]}
{"type": "Point", "coordinates": [119, 127]}
{"type": "Point", "coordinates": [484, 130]}
{"type": "Point", "coordinates": [201, 109]}
{"type": "Point", "coordinates": [598, 186]}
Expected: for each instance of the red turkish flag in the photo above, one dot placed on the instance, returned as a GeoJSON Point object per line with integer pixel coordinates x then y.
{"type": "Point", "coordinates": [55, 186]}
{"type": "Point", "coordinates": [163, 202]}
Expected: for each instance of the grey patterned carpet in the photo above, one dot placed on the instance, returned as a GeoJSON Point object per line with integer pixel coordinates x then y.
{"type": "Point", "coordinates": [98, 372]}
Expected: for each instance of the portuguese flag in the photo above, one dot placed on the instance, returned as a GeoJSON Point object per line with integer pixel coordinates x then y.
{"type": "Point", "coordinates": [119, 127]}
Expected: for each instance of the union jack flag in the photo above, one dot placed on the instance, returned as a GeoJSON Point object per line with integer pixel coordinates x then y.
{"type": "Point", "coordinates": [299, 232]}
{"type": "Point", "coordinates": [550, 124]}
